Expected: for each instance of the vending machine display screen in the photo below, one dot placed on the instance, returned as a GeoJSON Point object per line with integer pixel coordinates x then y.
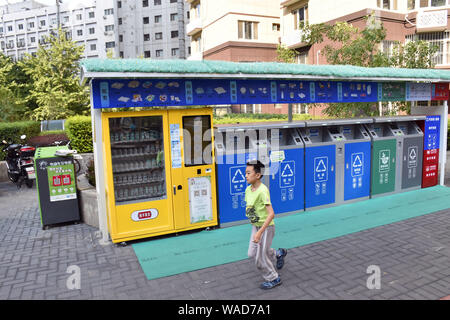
{"type": "Point", "coordinates": [137, 159]}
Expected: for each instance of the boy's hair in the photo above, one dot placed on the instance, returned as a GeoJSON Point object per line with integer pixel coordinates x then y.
{"type": "Point", "coordinates": [257, 165]}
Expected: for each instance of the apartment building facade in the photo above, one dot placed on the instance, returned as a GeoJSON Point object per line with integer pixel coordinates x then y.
{"type": "Point", "coordinates": [404, 20]}
{"type": "Point", "coordinates": [233, 30]}
{"type": "Point", "coordinates": [152, 29]}
{"type": "Point", "coordinates": [127, 28]}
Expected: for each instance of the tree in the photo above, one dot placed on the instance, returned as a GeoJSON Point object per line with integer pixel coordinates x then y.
{"type": "Point", "coordinates": [352, 46]}
{"type": "Point", "coordinates": [56, 82]}
{"type": "Point", "coordinates": [12, 94]}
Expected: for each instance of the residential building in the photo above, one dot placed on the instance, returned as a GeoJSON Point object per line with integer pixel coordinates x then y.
{"type": "Point", "coordinates": [152, 29]}
{"type": "Point", "coordinates": [404, 20]}
{"type": "Point", "coordinates": [127, 28]}
{"type": "Point", "coordinates": [234, 30]}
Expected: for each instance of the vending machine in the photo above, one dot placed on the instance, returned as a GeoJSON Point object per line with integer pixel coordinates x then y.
{"type": "Point", "coordinates": [160, 174]}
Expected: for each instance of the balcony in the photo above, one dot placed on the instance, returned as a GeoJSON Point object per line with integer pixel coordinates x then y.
{"type": "Point", "coordinates": [292, 39]}
{"type": "Point", "coordinates": [196, 56]}
{"type": "Point", "coordinates": [194, 26]}
{"type": "Point", "coordinates": [429, 21]}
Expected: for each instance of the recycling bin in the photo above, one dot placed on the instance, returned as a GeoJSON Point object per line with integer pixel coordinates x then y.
{"type": "Point", "coordinates": [397, 144]}
{"type": "Point", "coordinates": [234, 147]}
{"type": "Point", "coordinates": [352, 159]}
{"type": "Point", "coordinates": [286, 174]}
{"type": "Point", "coordinates": [56, 185]}
{"type": "Point", "coordinates": [431, 129]}
{"type": "Point", "coordinates": [320, 163]}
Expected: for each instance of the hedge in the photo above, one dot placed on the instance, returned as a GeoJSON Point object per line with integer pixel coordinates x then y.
{"type": "Point", "coordinates": [12, 131]}
{"type": "Point", "coordinates": [79, 131]}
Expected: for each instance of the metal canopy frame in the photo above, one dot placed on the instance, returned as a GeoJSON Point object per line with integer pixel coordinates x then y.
{"type": "Point", "coordinates": [86, 76]}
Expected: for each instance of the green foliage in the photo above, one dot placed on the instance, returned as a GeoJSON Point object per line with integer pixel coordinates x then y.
{"type": "Point", "coordinates": [284, 54]}
{"type": "Point", "coordinates": [257, 117]}
{"type": "Point", "coordinates": [56, 82]}
{"type": "Point", "coordinates": [79, 131]}
{"type": "Point", "coordinates": [12, 131]}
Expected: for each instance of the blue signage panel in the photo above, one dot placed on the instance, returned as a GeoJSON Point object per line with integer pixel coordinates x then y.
{"type": "Point", "coordinates": [432, 132]}
{"type": "Point", "coordinates": [286, 183]}
{"type": "Point", "coordinates": [123, 93]}
{"type": "Point", "coordinates": [320, 175]}
{"type": "Point", "coordinates": [357, 170]}
{"type": "Point", "coordinates": [231, 185]}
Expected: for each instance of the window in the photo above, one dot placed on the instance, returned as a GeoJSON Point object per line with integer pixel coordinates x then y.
{"type": "Point", "coordinates": [275, 27]}
{"type": "Point", "coordinates": [146, 54]}
{"type": "Point", "coordinates": [159, 53]}
{"type": "Point", "coordinates": [121, 54]}
{"type": "Point", "coordinates": [411, 4]}
{"type": "Point", "coordinates": [109, 12]}
{"type": "Point", "coordinates": [10, 28]}
{"type": "Point", "coordinates": [92, 14]}
{"type": "Point", "coordinates": [158, 36]}
{"type": "Point", "coordinates": [109, 28]}
{"type": "Point", "coordinates": [119, 4]}
{"type": "Point", "coordinates": [173, 34]}
{"type": "Point", "coordinates": [119, 21]}
{"type": "Point", "coordinates": [388, 4]}
{"type": "Point", "coordinates": [174, 52]}
{"type": "Point", "coordinates": [146, 20]}
{"type": "Point", "coordinates": [109, 45]}
{"type": "Point", "coordinates": [79, 16]}
{"type": "Point", "coordinates": [300, 17]}
{"type": "Point", "coordinates": [31, 25]}
{"type": "Point", "coordinates": [145, 3]}
{"type": "Point", "coordinates": [93, 47]}
{"type": "Point", "coordinates": [20, 26]}
{"type": "Point", "coordinates": [42, 23]}
{"type": "Point", "coordinates": [120, 37]}
{"type": "Point", "coordinates": [157, 2]}
{"type": "Point", "coordinates": [158, 19]}
{"type": "Point", "coordinates": [79, 33]}
{"type": "Point", "coordinates": [147, 37]}
{"type": "Point", "coordinates": [247, 30]}
{"type": "Point", "coordinates": [302, 58]}
{"type": "Point", "coordinates": [173, 17]}
{"type": "Point", "coordinates": [91, 30]}
{"type": "Point", "coordinates": [32, 39]}
{"type": "Point", "coordinates": [173, 1]}
{"type": "Point", "coordinates": [432, 3]}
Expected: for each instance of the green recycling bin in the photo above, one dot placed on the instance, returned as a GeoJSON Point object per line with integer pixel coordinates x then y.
{"type": "Point", "coordinates": [56, 185]}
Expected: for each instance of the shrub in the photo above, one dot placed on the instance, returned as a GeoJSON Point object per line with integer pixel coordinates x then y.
{"type": "Point", "coordinates": [11, 132]}
{"type": "Point", "coordinates": [79, 131]}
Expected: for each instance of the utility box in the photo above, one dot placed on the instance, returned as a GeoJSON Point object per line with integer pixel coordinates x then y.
{"type": "Point", "coordinates": [56, 185]}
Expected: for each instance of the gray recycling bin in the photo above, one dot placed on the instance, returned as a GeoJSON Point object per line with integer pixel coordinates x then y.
{"type": "Point", "coordinates": [397, 154]}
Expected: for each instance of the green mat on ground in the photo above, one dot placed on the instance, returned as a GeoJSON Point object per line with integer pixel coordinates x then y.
{"type": "Point", "coordinates": [173, 255]}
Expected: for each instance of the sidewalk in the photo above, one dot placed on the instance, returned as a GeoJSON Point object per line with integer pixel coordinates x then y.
{"type": "Point", "coordinates": [412, 255]}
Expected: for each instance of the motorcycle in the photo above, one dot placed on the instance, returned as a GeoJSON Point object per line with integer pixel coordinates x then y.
{"type": "Point", "coordinates": [20, 163]}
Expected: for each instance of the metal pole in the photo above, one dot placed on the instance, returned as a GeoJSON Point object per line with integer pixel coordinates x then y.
{"type": "Point", "coordinates": [99, 172]}
{"type": "Point", "coordinates": [290, 112]}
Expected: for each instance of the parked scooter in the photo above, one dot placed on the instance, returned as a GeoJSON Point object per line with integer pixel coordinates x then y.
{"type": "Point", "coordinates": [20, 163]}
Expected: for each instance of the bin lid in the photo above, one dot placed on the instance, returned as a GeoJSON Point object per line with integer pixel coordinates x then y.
{"type": "Point", "coordinates": [260, 125]}
{"type": "Point", "coordinates": [48, 152]}
{"type": "Point", "coordinates": [399, 118]}
{"type": "Point", "coordinates": [337, 122]}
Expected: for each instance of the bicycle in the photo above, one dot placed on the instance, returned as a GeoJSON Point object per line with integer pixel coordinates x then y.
{"type": "Point", "coordinates": [65, 153]}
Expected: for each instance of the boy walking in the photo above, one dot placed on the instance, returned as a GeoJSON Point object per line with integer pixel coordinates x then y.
{"type": "Point", "coordinates": [260, 212]}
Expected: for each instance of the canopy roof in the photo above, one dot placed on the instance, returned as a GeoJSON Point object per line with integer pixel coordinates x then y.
{"type": "Point", "coordinates": [146, 68]}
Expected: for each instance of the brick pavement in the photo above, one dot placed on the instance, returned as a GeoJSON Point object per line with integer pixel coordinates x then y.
{"type": "Point", "coordinates": [413, 257]}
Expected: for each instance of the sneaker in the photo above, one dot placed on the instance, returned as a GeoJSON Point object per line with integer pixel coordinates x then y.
{"type": "Point", "coordinates": [281, 253]}
{"type": "Point", "coordinates": [271, 284]}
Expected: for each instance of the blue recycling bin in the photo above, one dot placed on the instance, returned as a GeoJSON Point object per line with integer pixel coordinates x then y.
{"type": "Point", "coordinates": [286, 174]}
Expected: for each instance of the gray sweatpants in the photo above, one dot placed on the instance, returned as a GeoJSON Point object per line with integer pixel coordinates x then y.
{"type": "Point", "coordinates": [265, 257]}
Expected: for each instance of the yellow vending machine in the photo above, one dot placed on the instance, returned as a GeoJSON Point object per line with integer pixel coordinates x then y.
{"type": "Point", "coordinates": [160, 173]}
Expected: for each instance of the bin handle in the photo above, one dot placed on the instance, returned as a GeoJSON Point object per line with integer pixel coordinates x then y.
{"type": "Point", "coordinates": [174, 190]}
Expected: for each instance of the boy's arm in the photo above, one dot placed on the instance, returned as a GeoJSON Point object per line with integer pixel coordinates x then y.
{"type": "Point", "coordinates": [270, 216]}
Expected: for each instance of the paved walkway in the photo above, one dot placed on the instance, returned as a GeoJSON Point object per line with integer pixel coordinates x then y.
{"type": "Point", "coordinates": [413, 257]}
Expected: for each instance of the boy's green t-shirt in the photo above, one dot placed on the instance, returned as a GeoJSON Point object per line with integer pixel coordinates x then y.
{"type": "Point", "coordinates": [256, 205]}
